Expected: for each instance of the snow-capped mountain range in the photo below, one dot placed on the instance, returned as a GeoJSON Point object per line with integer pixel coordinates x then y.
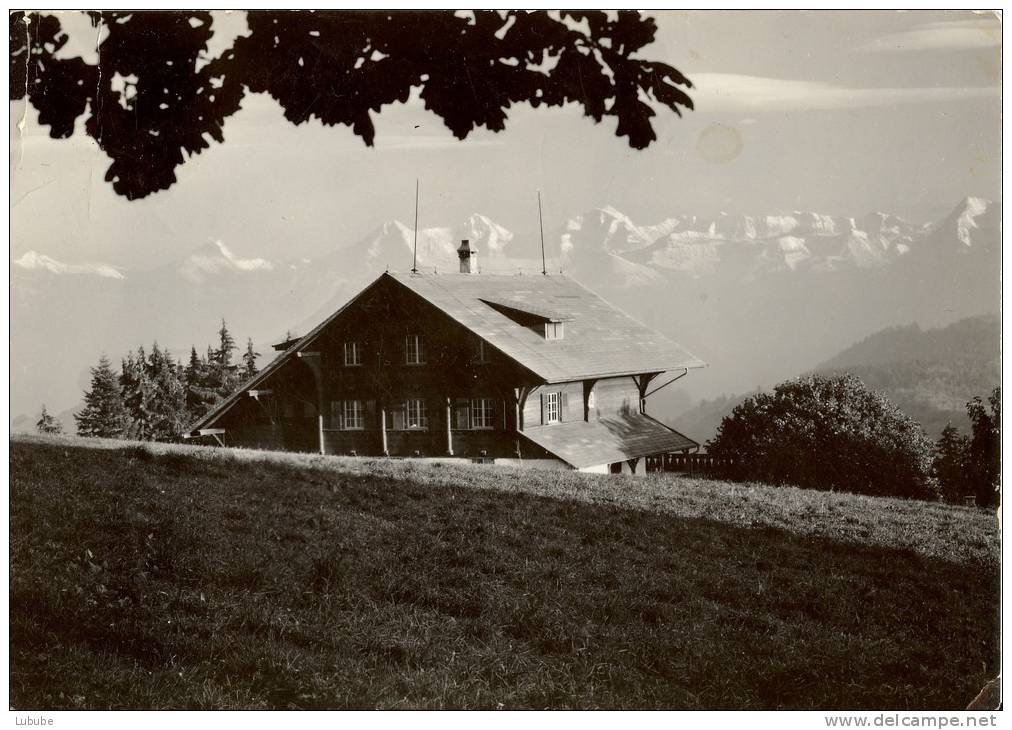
{"type": "Point", "coordinates": [748, 293]}
{"type": "Point", "coordinates": [794, 242]}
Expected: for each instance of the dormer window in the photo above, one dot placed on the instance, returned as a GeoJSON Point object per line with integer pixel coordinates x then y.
{"type": "Point", "coordinates": [414, 350]}
{"type": "Point", "coordinates": [541, 320]}
{"type": "Point", "coordinates": [554, 330]}
{"type": "Point", "coordinates": [352, 354]}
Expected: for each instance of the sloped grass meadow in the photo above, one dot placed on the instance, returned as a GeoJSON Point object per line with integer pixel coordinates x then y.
{"type": "Point", "coordinates": [154, 576]}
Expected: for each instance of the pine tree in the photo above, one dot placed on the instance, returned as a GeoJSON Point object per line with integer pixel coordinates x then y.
{"type": "Point", "coordinates": [951, 463]}
{"type": "Point", "coordinates": [48, 424]}
{"type": "Point", "coordinates": [222, 375]}
{"type": "Point", "coordinates": [249, 360]}
{"type": "Point", "coordinates": [199, 398]}
{"type": "Point", "coordinates": [136, 388]}
{"type": "Point", "coordinates": [226, 344]}
{"type": "Point", "coordinates": [167, 404]}
{"type": "Point", "coordinates": [103, 414]}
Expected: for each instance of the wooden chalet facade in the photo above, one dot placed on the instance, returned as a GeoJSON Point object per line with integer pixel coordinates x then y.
{"type": "Point", "coordinates": [522, 369]}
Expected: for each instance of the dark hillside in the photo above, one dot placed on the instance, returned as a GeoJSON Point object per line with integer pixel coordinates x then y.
{"type": "Point", "coordinates": [174, 577]}
{"type": "Point", "coordinates": [929, 373]}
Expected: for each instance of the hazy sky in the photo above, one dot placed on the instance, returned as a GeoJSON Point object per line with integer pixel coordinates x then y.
{"type": "Point", "coordinates": [840, 112]}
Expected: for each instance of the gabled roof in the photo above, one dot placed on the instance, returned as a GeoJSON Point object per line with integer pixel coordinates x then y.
{"type": "Point", "coordinates": [608, 440]}
{"type": "Point", "coordinates": [600, 340]}
{"type": "Point", "coordinates": [297, 346]}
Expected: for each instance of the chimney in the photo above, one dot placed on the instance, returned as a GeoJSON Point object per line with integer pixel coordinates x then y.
{"type": "Point", "coordinates": [468, 258]}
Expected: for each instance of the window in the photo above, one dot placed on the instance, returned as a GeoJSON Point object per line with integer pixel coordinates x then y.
{"type": "Point", "coordinates": [417, 415]}
{"type": "Point", "coordinates": [414, 350]}
{"type": "Point", "coordinates": [551, 407]}
{"type": "Point", "coordinates": [352, 354]}
{"type": "Point", "coordinates": [482, 413]}
{"type": "Point", "coordinates": [480, 352]}
{"type": "Point", "coordinates": [353, 415]}
{"type": "Point", "coordinates": [408, 415]}
{"type": "Point", "coordinates": [554, 330]}
{"type": "Point", "coordinates": [347, 415]}
{"type": "Point", "coordinates": [474, 414]}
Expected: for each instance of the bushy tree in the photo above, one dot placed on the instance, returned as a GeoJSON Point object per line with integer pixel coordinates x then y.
{"type": "Point", "coordinates": [337, 67]}
{"type": "Point", "coordinates": [103, 414]}
{"type": "Point", "coordinates": [984, 454]}
{"type": "Point", "coordinates": [827, 433]}
{"type": "Point", "coordinates": [48, 424]}
{"type": "Point", "coordinates": [951, 463]}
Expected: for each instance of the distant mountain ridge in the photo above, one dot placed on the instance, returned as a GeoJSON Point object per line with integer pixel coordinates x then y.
{"type": "Point", "coordinates": [929, 373]}
{"type": "Point", "coordinates": [794, 242]}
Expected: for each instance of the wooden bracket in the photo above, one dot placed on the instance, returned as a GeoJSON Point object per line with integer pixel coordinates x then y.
{"type": "Point", "coordinates": [217, 433]}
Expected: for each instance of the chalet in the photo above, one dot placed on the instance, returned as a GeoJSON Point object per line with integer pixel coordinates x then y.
{"type": "Point", "coordinates": [519, 369]}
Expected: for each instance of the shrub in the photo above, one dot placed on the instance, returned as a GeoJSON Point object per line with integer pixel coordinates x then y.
{"type": "Point", "coordinates": [952, 464]}
{"type": "Point", "coordinates": [984, 452]}
{"type": "Point", "coordinates": [827, 433]}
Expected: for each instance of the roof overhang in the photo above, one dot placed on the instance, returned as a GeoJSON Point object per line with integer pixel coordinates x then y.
{"type": "Point", "coordinates": [609, 440]}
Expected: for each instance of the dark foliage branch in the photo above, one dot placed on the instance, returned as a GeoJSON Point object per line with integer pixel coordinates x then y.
{"type": "Point", "coordinates": [336, 67]}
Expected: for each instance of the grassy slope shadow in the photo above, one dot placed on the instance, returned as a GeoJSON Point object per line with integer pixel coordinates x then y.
{"type": "Point", "coordinates": [167, 582]}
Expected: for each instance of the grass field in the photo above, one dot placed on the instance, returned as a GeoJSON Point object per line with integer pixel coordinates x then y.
{"type": "Point", "coordinates": [177, 577]}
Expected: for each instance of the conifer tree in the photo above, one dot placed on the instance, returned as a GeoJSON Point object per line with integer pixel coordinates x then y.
{"type": "Point", "coordinates": [136, 388]}
{"type": "Point", "coordinates": [223, 376]}
{"type": "Point", "coordinates": [226, 344]}
{"type": "Point", "coordinates": [249, 360]}
{"type": "Point", "coordinates": [103, 414]}
{"type": "Point", "coordinates": [199, 397]}
{"type": "Point", "coordinates": [167, 404]}
{"type": "Point", "coordinates": [48, 424]}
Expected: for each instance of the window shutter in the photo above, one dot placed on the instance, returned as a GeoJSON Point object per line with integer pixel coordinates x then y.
{"type": "Point", "coordinates": [563, 405]}
{"type": "Point", "coordinates": [542, 409]}
{"type": "Point", "coordinates": [336, 414]}
{"type": "Point", "coordinates": [461, 414]}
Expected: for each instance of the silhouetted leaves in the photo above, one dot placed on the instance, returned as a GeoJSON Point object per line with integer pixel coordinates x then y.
{"type": "Point", "coordinates": [156, 98]}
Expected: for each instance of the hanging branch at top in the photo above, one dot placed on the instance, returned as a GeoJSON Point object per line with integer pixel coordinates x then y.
{"type": "Point", "coordinates": [155, 97]}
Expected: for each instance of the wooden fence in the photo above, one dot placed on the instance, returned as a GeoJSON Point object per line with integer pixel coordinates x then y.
{"type": "Point", "coordinates": [687, 463]}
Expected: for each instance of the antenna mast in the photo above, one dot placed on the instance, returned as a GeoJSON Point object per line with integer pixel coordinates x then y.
{"type": "Point", "coordinates": [541, 225]}
{"type": "Point", "coordinates": [414, 259]}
